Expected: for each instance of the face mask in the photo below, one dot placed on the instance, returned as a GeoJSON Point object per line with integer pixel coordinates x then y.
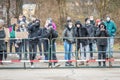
{"type": "Point", "coordinates": [108, 19]}
{"type": "Point", "coordinates": [88, 21]}
{"type": "Point", "coordinates": [91, 19]}
{"type": "Point", "coordinates": [23, 25]}
{"type": "Point", "coordinates": [78, 25]}
{"type": "Point", "coordinates": [70, 25]}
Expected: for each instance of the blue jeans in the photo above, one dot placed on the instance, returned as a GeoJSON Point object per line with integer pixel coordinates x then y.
{"type": "Point", "coordinates": [110, 46]}
{"type": "Point", "coordinates": [68, 50]}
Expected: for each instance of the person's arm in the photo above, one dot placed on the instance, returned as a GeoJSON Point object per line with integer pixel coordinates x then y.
{"type": "Point", "coordinates": [97, 33]}
{"type": "Point", "coordinates": [114, 29]}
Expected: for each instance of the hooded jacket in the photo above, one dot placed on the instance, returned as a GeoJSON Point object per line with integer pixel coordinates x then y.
{"type": "Point", "coordinates": [81, 32]}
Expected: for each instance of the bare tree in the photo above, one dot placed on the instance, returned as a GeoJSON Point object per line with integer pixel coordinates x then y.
{"type": "Point", "coordinates": [7, 2]}
{"type": "Point", "coordinates": [19, 10]}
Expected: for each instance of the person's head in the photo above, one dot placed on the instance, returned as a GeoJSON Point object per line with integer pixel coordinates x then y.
{"type": "Point", "coordinates": [50, 26]}
{"type": "Point", "coordinates": [87, 21]}
{"type": "Point", "coordinates": [70, 24]}
{"type": "Point", "coordinates": [1, 23]}
{"type": "Point", "coordinates": [102, 26]}
{"type": "Point", "coordinates": [98, 21]}
{"type": "Point", "coordinates": [78, 24]}
{"type": "Point", "coordinates": [91, 18]}
{"type": "Point", "coordinates": [108, 19]}
{"type": "Point", "coordinates": [69, 19]}
{"type": "Point", "coordinates": [22, 24]}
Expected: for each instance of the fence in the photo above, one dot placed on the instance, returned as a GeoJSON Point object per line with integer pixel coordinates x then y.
{"type": "Point", "coordinates": [21, 58]}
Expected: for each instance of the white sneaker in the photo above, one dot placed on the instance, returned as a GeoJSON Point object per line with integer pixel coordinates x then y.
{"type": "Point", "coordinates": [32, 66]}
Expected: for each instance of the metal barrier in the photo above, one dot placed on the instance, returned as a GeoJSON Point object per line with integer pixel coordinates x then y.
{"type": "Point", "coordinates": [57, 48]}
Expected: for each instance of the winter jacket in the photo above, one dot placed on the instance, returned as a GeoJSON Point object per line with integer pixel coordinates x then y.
{"type": "Point", "coordinates": [111, 27]}
{"type": "Point", "coordinates": [102, 41]}
{"type": "Point", "coordinates": [12, 31]}
{"type": "Point", "coordinates": [90, 29]}
{"type": "Point", "coordinates": [49, 33]}
{"type": "Point", "coordinates": [33, 32]}
{"type": "Point", "coordinates": [81, 32]}
{"type": "Point", "coordinates": [2, 42]}
{"type": "Point", "coordinates": [69, 34]}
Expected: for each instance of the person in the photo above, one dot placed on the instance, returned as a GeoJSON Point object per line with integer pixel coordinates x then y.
{"type": "Point", "coordinates": [90, 29]}
{"type": "Point", "coordinates": [12, 28]}
{"type": "Point", "coordinates": [81, 31]}
{"type": "Point", "coordinates": [102, 42]}
{"type": "Point", "coordinates": [97, 23]}
{"type": "Point", "coordinates": [21, 44]}
{"type": "Point", "coordinates": [50, 21]}
{"type": "Point", "coordinates": [2, 42]}
{"type": "Point", "coordinates": [112, 28]}
{"type": "Point", "coordinates": [33, 29]}
{"type": "Point", "coordinates": [6, 41]}
{"type": "Point", "coordinates": [92, 22]}
{"type": "Point", "coordinates": [68, 39]}
{"type": "Point", "coordinates": [50, 34]}
{"type": "Point", "coordinates": [40, 32]}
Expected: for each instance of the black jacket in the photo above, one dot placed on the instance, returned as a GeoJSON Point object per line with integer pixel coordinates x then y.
{"type": "Point", "coordinates": [33, 32]}
{"type": "Point", "coordinates": [99, 33]}
{"type": "Point", "coordinates": [2, 42]}
{"type": "Point", "coordinates": [50, 34]}
{"type": "Point", "coordinates": [81, 32]}
{"type": "Point", "coordinates": [90, 29]}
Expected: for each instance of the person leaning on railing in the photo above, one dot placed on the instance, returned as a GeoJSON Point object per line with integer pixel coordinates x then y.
{"type": "Point", "coordinates": [2, 42]}
{"type": "Point", "coordinates": [102, 42]}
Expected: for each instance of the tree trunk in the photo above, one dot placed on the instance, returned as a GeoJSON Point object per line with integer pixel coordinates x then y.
{"type": "Point", "coordinates": [7, 11]}
{"type": "Point", "coordinates": [19, 10]}
{"type": "Point", "coordinates": [62, 11]}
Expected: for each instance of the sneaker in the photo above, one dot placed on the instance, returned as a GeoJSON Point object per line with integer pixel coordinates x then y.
{"type": "Point", "coordinates": [32, 66]}
{"type": "Point", "coordinates": [81, 63]}
{"type": "Point", "coordinates": [70, 64]}
{"type": "Point", "coordinates": [66, 64]}
{"type": "Point", "coordinates": [57, 65]}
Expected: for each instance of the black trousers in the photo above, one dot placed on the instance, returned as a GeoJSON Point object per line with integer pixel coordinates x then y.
{"type": "Point", "coordinates": [32, 50]}
{"type": "Point", "coordinates": [102, 52]}
{"type": "Point", "coordinates": [1, 55]}
{"type": "Point", "coordinates": [91, 49]}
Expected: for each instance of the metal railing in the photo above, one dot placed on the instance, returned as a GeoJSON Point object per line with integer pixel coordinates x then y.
{"type": "Point", "coordinates": [56, 47]}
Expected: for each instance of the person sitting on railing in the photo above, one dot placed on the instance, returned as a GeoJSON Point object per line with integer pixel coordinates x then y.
{"type": "Point", "coordinates": [102, 42]}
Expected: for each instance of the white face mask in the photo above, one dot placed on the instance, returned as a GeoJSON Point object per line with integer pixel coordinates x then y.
{"type": "Point", "coordinates": [108, 19]}
{"type": "Point", "coordinates": [70, 25]}
{"type": "Point", "coordinates": [91, 18]}
{"type": "Point", "coordinates": [88, 21]}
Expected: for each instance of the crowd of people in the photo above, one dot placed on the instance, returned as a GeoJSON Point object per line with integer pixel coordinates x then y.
{"type": "Point", "coordinates": [37, 35]}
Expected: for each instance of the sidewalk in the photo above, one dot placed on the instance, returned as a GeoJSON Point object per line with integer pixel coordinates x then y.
{"type": "Point", "coordinates": [61, 74]}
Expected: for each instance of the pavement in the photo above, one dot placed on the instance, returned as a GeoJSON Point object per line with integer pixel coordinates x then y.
{"type": "Point", "coordinates": [61, 74]}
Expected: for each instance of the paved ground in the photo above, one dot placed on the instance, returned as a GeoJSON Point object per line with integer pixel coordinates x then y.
{"type": "Point", "coordinates": [61, 74]}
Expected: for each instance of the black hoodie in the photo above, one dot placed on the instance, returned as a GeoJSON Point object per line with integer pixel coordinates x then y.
{"type": "Point", "coordinates": [81, 32]}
